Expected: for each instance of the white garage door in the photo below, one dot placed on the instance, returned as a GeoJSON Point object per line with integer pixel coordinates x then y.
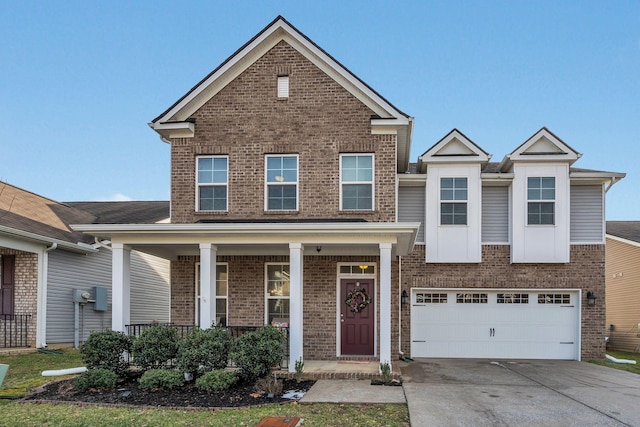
{"type": "Point", "coordinates": [478, 323]}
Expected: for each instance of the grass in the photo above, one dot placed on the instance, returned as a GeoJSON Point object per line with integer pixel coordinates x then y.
{"type": "Point", "coordinates": [621, 366]}
{"type": "Point", "coordinates": [25, 374]}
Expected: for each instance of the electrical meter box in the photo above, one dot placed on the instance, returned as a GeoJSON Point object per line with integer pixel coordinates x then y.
{"type": "Point", "coordinates": [80, 295]}
{"type": "Point", "coordinates": [100, 299]}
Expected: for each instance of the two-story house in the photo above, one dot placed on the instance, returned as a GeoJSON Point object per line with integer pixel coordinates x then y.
{"type": "Point", "coordinates": [293, 201]}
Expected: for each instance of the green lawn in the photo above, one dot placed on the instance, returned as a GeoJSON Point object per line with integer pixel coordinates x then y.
{"type": "Point", "coordinates": [621, 355]}
{"type": "Point", "coordinates": [25, 374]}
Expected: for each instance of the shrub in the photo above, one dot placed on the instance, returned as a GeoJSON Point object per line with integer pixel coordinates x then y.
{"type": "Point", "coordinates": [255, 353]}
{"type": "Point", "coordinates": [161, 379]}
{"type": "Point", "coordinates": [216, 380]}
{"type": "Point", "coordinates": [204, 350]}
{"type": "Point", "coordinates": [106, 350]}
{"type": "Point", "coordinates": [155, 347]}
{"type": "Point", "coordinates": [98, 378]}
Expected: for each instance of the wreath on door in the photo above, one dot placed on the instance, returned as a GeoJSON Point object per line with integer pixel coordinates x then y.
{"type": "Point", "coordinates": [357, 300]}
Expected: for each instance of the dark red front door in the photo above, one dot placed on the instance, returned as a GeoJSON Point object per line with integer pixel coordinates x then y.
{"type": "Point", "coordinates": [357, 317]}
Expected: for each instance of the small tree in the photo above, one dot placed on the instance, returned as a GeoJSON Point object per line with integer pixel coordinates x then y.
{"type": "Point", "coordinates": [204, 350]}
{"type": "Point", "coordinates": [155, 347]}
{"type": "Point", "coordinates": [255, 353]}
{"type": "Point", "coordinates": [107, 350]}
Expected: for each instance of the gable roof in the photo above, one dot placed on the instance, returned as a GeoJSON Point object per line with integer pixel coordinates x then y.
{"type": "Point", "coordinates": [628, 230]}
{"type": "Point", "coordinates": [542, 146]}
{"type": "Point", "coordinates": [453, 147]}
{"type": "Point", "coordinates": [176, 122]}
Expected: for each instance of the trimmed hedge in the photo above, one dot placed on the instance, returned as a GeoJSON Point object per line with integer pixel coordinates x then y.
{"type": "Point", "coordinates": [255, 353]}
{"type": "Point", "coordinates": [165, 379]}
{"type": "Point", "coordinates": [204, 350]}
{"type": "Point", "coordinates": [106, 349]}
{"type": "Point", "coordinates": [155, 347]}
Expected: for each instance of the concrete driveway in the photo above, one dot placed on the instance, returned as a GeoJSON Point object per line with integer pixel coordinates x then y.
{"type": "Point", "coordinates": [480, 392]}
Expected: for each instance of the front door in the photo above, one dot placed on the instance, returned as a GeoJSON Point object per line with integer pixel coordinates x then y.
{"type": "Point", "coordinates": [357, 309]}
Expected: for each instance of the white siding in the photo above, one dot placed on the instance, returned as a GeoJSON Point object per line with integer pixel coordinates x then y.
{"type": "Point", "coordinates": [411, 206]}
{"type": "Point", "coordinates": [495, 214]}
{"type": "Point", "coordinates": [587, 214]}
{"type": "Point", "coordinates": [150, 291]}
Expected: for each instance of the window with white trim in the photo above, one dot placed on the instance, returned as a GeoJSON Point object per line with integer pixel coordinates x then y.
{"type": "Point", "coordinates": [283, 86]}
{"type": "Point", "coordinates": [541, 196]}
{"type": "Point", "coordinates": [212, 182]}
{"type": "Point", "coordinates": [453, 201]}
{"type": "Point", "coordinates": [356, 180]}
{"type": "Point", "coordinates": [277, 293]}
{"type": "Point", "coordinates": [222, 291]}
{"type": "Point", "coordinates": [281, 183]}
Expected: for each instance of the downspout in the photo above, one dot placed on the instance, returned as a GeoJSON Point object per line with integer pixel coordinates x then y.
{"type": "Point", "coordinates": [41, 315]}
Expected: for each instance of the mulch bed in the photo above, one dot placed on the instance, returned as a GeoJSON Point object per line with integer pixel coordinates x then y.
{"type": "Point", "coordinates": [188, 396]}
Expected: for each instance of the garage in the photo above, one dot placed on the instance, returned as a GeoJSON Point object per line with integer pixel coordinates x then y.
{"type": "Point", "coordinates": [507, 324]}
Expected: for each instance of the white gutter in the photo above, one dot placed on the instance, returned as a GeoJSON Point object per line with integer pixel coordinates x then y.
{"type": "Point", "coordinates": [41, 299]}
{"type": "Point", "coordinates": [37, 238]}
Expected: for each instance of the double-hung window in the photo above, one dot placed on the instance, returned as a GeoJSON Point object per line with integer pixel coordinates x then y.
{"type": "Point", "coordinates": [541, 197]}
{"type": "Point", "coordinates": [277, 293]}
{"type": "Point", "coordinates": [453, 201]}
{"type": "Point", "coordinates": [282, 183]}
{"type": "Point", "coordinates": [356, 180]}
{"type": "Point", "coordinates": [222, 290]}
{"type": "Point", "coordinates": [212, 180]}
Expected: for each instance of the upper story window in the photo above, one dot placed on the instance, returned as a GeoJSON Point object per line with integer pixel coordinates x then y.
{"type": "Point", "coordinates": [212, 181]}
{"type": "Point", "coordinates": [356, 179]}
{"type": "Point", "coordinates": [283, 86]}
{"type": "Point", "coordinates": [453, 201]}
{"type": "Point", "coordinates": [282, 183]}
{"type": "Point", "coordinates": [541, 196]}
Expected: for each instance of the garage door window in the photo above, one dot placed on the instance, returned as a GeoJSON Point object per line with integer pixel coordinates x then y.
{"type": "Point", "coordinates": [471, 298]}
{"type": "Point", "coordinates": [430, 298]}
{"type": "Point", "coordinates": [513, 298]}
{"type": "Point", "coordinates": [554, 299]}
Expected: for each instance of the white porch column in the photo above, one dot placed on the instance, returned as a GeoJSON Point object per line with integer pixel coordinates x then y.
{"type": "Point", "coordinates": [296, 264]}
{"type": "Point", "coordinates": [208, 253]}
{"type": "Point", "coordinates": [120, 287]}
{"type": "Point", "coordinates": [385, 303]}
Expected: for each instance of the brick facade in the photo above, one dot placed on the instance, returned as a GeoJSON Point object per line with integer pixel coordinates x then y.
{"type": "Point", "coordinates": [585, 271]}
{"type": "Point", "coordinates": [246, 121]}
{"type": "Point", "coordinates": [25, 291]}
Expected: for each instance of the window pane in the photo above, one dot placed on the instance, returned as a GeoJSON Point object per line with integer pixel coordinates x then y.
{"type": "Point", "coordinates": [277, 308]}
{"type": "Point", "coordinates": [213, 198]}
{"type": "Point", "coordinates": [349, 162]}
{"type": "Point", "coordinates": [221, 310]}
{"type": "Point", "coordinates": [548, 194]}
{"type": "Point", "coordinates": [212, 170]}
{"type": "Point", "coordinates": [548, 182]}
{"type": "Point", "coordinates": [446, 183]}
{"type": "Point", "coordinates": [357, 168]}
{"type": "Point", "coordinates": [220, 177]}
{"type": "Point", "coordinates": [365, 174]}
{"type": "Point", "coordinates": [356, 196]}
{"type": "Point", "coordinates": [278, 280]}
{"type": "Point", "coordinates": [349, 175]}
{"type": "Point", "coordinates": [446, 194]}
{"type": "Point", "coordinates": [289, 163]}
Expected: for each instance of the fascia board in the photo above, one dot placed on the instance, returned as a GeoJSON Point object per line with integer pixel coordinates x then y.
{"type": "Point", "coordinates": [569, 154]}
{"type": "Point", "coordinates": [621, 240]}
{"type": "Point", "coordinates": [604, 176]}
{"type": "Point", "coordinates": [412, 180]}
{"type": "Point", "coordinates": [47, 241]}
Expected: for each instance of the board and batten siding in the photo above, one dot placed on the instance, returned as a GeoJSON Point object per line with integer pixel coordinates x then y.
{"type": "Point", "coordinates": [495, 214]}
{"type": "Point", "coordinates": [587, 214]}
{"type": "Point", "coordinates": [150, 291]}
{"type": "Point", "coordinates": [411, 207]}
{"type": "Point", "coordinates": [622, 273]}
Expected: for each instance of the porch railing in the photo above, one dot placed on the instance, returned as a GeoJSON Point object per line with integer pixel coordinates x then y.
{"type": "Point", "coordinates": [14, 330]}
{"type": "Point", "coordinates": [134, 330]}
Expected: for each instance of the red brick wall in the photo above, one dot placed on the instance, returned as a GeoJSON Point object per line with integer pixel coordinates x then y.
{"type": "Point", "coordinates": [318, 121]}
{"type": "Point", "coordinates": [585, 271]}
{"type": "Point", "coordinates": [247, 296]}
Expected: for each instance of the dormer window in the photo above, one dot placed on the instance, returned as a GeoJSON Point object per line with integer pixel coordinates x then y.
{"type": "Point", "coordinates": [283, 86]}
{"type": "Point", "coordinates": [541, 196]}
{"type": "Point", "coordinates": [453, 201]}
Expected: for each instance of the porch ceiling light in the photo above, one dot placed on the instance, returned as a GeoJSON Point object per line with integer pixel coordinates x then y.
{"type": "Point", "coordinates": [363, 268]}
{"type": "Point", "coordinates": [591, 298]}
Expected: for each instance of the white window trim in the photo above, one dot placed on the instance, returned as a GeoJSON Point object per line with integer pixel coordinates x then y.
{"type": "Point", "coordinates": [553, 201]}
{"type": "Point", "coordinates": [465, 201]}
{"type": "Point", "coordinates": [197, 297]}
{"type": "Point", "coordinates": [373, 181]}
{"type": "Point", "coordinates": [267, 184]}
{"type": "Point", "coordinates": [267, 297]}
{"type": "Point", "coordinates": [198, 185]}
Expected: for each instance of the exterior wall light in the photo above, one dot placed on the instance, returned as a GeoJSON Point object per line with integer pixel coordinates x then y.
{"type": "Point", "coordinates": [404, 298]}
{"type": "Point", "coordinates": [591, 298]}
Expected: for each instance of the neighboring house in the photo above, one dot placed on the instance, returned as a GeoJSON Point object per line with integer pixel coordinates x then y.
{"type": "Point", "coordinates": [42, 262]}
{"type": "Point", "coordinates": [293, 202]}
{"type": "Point", "coordinates": [623, 285]}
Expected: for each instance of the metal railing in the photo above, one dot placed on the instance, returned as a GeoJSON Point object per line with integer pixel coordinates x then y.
{"type": "Point", "coordinates": [135, 330]}
{"type": "Point", "coordinates": [14, 330]}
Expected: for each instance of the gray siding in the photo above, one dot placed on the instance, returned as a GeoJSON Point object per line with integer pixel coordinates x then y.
{"type": "Point", "coordinates": [495, 214]}
{"type": "Point", "coordinates": [150, 292]}
{"type": "Point", "coordinates": [587, 214]}
{"type": "Point", "coordinates": [411, 207]}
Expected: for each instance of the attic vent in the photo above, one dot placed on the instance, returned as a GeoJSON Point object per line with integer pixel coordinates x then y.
{"type": "Point", "coordinates": [283, 86]}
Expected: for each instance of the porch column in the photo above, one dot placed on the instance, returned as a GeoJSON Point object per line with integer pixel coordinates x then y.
{"type": "Point", "coordinates": [120, 287]}
{"type": "Point", "coordinates": [296, 264]}
{"type": "Point", "coordinates": [208, 254]}
{"type": "Point", "coordinates": [385, 303]}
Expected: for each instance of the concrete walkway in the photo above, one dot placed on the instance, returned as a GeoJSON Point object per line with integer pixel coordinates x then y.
{"type": "Point", "coordinates": [352, 391]}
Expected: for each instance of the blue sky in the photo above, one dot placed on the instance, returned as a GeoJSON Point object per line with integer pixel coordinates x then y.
{"type": "Point", "coordinates": [80, 80]}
